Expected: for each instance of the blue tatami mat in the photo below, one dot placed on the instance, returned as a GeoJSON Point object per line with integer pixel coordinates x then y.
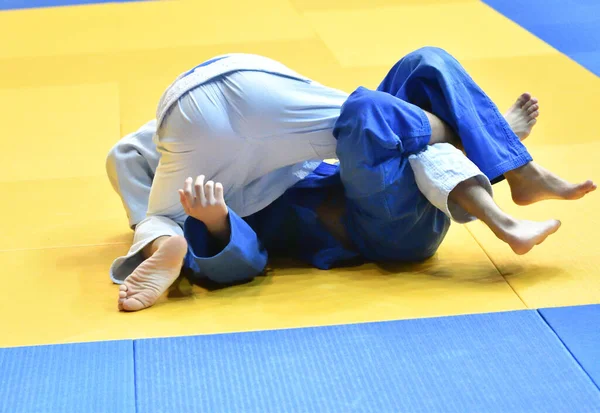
{"type": "Point", "coordinates": [503, 362]}
{"type": "Point", "coordinates": [77, 378]}
{"type": "Point", "coordinates": [579, 329]}
{"type": "Point", "coordinates": [570, 26]}
{"type": "Point", "coordinates": [32, 4]}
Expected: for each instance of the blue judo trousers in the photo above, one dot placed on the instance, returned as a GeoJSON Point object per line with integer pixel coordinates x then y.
{"type": "Point", "coordinates": [387, 217]}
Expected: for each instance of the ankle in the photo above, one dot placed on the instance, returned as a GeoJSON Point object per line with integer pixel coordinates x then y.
{"type": "Point", "coordinates": [503, 226]}
{"type": "Point", "coordinates": [151, 248]}
{"type": "Point", "coordinates": [523, 173]}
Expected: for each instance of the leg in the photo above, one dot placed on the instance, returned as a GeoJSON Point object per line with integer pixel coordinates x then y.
{"type": "Point", "coordinates": [520, 235]}
{"type": "Point", "coordinates": [441, 132]}
{"type": "Point", "coordinates": [521, 118]}
{"type": "Point", "coordinates": [455, 186]}
{"type": "Point", "coordinates": [387, 217]}
{"type": "Point", "coordinates": [433, 80]}
{"type": "Point", "coordinates": [130, 166]}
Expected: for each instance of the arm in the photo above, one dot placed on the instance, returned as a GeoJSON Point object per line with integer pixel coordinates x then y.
{"type": "Point", "coordinates": [221, 246]}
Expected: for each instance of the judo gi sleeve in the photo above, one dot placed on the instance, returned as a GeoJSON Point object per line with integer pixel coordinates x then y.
{"type": "Point", "coordinates": [242, 259]}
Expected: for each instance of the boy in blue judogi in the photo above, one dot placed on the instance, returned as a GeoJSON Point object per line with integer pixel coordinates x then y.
{"type": "Point", "coordinates": [400, 180]}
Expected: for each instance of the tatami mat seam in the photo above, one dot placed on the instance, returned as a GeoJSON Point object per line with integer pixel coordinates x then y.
{"type": "Point", "coordinates": [597, 385]}
{"type": "Point", "coordinates": [64, 246]}
{"type": "Point", "coordinates": [496, 266]}
{"type": "Point", "coordinates": [135, 388]}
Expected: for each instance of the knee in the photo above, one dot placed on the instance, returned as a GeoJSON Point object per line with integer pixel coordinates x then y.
{"type": "Point", "coordinates": [115, 161]}
{"type": "Point", "coordinates": [430, 56]}
{"type": "Point", "coordinates": [134, 149]}
{"type": "Point", "coordinates": [121, 159]}
{"type": "Point", "coordinates": [129, 154]}
{"type": "Point", "coordinates": [352, 113]}
{"type": "Point", "coordinates": [364, 117]}
{"type": "Point", "coordinates": [114, 157]}
{"type": "Point", "coordinates": [431, 51]}
{"type": "Point", "coordinates": [361, 101]}
{"type": "Point", "coordinates": [360, 106]}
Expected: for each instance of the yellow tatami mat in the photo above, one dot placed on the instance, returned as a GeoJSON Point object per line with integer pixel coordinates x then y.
{"type": "Point", "coordinates": [94, 29]}
{"type": "Point", "coordinates": [61, 213]}
{"type": "Point", "coordinates": [389, 32]}
{"type": "Point", "coordinates": [565, 270]}
{"type": "Point", "coordinates": [57, 132]}
{"type": "Point", "coordinates": [57, 295]}
{"type": "Point", "coordinates": [97, 73]}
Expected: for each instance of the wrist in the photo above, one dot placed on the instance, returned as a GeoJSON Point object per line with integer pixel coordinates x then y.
{"type": "Point", "coordinates": [220, 229]}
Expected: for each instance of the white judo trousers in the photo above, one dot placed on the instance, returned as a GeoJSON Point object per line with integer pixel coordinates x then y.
{"type": "Point", "coordinates": [256, 127]}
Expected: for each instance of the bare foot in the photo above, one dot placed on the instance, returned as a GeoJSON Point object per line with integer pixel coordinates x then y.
{"type": "Point", "coordinates": [522, 116]}
{"type": "Point", "coordinates": [522, 236]}
{"type": "Point", "coordinates": [532, 183]}
{"type": "Point", "coordinates": [154, 276]}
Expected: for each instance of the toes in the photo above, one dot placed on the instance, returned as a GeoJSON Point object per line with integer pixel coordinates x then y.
{"type": "Point", "coordinates": [532, 122]}
{"type": "Point", "coordinates": [588, 186]}
{"type": "Point", "coordinates": [580, 190]}
{"type": "Point", "coordinates": [133, 304]}
{"type": "Point", "coordinates": [532, 109]}
{"type": "Point", "coordinates": [122, 296]}
{"type": "Point", "coordinates": [123, 291]}
{"type": "Point", "coordinates": [557, 225]}
{"type": "Point", "coordinates": [534, 114]}
{"type": "Point", "coordinates": [588, 183]}
{"type": "Point", "coordinates": [530, 103]}
{"type": "Point", "coordinates": [523, 99]}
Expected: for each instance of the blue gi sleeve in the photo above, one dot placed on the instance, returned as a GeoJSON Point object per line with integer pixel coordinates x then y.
{"type": "Point", "coordinates": [242, 259]}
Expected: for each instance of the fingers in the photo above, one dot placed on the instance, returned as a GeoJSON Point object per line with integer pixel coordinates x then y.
{"type": "Point", "coordinates": [219, 192]}
{"type": "Point", "coordinates": [183, 200]}
{"type": "Point", "coordinates": [199, 188]}
{"type": "Point", "coordinates": [202, 194]}
{"type": "Point", "coordinates": [187, 189]}
{"type": "Point", "coordinates": [209, 190]}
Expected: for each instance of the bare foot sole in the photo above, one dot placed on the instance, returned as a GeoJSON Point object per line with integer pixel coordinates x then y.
{"type": "Point", "coordinates": [524, 235]}
{"type": "Point", "coordinates": [532, 183]}
{"type": "Point", "coordinates": [154, 276]}
{"type": "Point", "coordinates": [522, 116]}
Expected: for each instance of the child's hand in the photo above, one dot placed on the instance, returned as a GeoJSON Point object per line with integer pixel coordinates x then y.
{"type": "Point", "coordinates": [204, 201]}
